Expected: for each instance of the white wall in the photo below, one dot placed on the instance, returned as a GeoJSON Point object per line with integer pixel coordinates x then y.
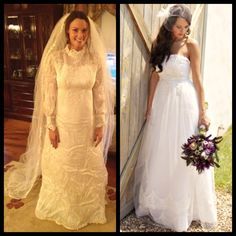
{"type": "Point", "coordinates": [107, 24]}
{"type": "Point", "coordinates": [217, 71]}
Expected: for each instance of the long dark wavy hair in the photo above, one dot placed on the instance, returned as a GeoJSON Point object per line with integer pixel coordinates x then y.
{"type": "Point", "coordinates": [161, 46]}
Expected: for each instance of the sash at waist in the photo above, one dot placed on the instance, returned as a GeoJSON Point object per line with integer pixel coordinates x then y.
{"type": "Point", "coordinates": [175, 79]}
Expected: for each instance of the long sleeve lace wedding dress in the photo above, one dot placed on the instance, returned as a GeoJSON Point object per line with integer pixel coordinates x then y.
{"type": "Point", "coordinates": [74, 176]}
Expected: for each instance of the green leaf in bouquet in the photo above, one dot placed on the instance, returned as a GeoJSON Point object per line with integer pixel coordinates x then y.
{"type": "Point", "coordinates": [217, 157]}
{"type": "Point", "coordinates": [188, 162]}
{"type": "Point", "coordinates": [216, 164]}
{"type": "Point", "coordinates": [218, 139]}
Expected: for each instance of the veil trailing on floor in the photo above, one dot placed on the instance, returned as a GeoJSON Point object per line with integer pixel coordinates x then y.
{"type": "Point", "coordinates": [25, 174]}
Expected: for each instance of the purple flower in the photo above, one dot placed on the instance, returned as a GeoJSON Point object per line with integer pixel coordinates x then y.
{"type": "Point", "coordinates": [208, 151]}
{"type": "Point", "coordinates": [208, 144]}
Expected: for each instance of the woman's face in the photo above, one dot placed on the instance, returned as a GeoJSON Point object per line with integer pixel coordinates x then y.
{"type": "Point", "coordinates": [180, 28]}
{"type": "Point", "coordinates": [78, 33]}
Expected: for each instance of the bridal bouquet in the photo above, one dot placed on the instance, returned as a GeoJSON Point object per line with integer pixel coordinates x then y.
{"type": "Point", "coordinates": [201, 151]}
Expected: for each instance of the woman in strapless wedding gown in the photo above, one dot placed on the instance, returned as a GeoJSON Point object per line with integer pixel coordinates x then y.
{"type": "Point", "coordinates": [167, 190]}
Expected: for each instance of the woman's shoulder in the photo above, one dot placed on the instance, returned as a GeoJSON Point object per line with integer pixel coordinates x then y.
{"type": "Point", "coordinates": [191, 42]}
{"type": "Point", "coordinates": [57, 53]}
{"type": "Point", "coordinates": [193, 46]}
{"type": "Point", "coordinates": [56, 56]}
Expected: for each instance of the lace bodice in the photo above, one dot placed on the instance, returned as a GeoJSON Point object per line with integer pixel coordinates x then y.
{"type": "Point", "coordinates": [177, 67]}
{"type": "Point", "coordinates": [72, 81]}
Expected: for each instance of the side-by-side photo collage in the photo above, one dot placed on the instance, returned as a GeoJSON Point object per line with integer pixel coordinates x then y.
{"type": "Point", "coordinates": [117, 117]}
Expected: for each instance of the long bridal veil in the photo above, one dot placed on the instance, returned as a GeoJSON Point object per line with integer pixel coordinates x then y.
{"type": "Point", "coordinates": [27, 171]}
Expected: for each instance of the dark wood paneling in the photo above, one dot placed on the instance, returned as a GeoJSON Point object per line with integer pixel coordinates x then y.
{"type": "Point", "coordinates": [7, 97]}
{"type": "Point", "coordinates": [19, 92]}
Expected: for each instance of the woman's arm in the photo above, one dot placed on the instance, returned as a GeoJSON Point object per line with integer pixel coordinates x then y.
{"type": "Point", "coordinates": [196, 76]}
{"type": "Point", "coordinates": [152, 87]}
{"type": "Point", "coordinates": [99, 105]}
{"type": "Point", "coordinates": [49, 102]}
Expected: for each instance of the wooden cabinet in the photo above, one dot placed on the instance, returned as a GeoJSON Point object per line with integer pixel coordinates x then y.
{"type": "Point", "coordinates": [27, 27]}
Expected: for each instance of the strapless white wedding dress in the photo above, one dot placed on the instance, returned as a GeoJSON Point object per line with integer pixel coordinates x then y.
{"type": "Point", "coordinates": [164, 187]}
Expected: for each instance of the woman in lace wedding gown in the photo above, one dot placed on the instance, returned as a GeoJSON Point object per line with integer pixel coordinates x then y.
{"type": "Point", "coordinates": [74, 176]}
{"type": "Point", "coordinates": [167, 190]}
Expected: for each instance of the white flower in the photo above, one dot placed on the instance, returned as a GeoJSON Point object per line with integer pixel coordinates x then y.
{"type": "Point", "coordinates": [202, 127]}
{"type": "Point", "coordinates": [204, 155]}
{"type": "Point", "coordinates": [200, 148]}
{"type": "Point", "coordinates": [197, 152]}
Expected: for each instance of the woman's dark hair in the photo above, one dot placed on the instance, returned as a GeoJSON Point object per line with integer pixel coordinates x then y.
{"type": "Point", "coordinates": [74, 15]}
{"type": "Point", "coordinates": [162, 44]}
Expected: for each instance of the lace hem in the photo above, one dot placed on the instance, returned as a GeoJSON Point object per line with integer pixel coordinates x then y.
{"type": "Point", "coordinates": [98, 220]}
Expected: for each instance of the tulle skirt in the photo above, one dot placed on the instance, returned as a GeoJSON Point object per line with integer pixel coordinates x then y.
{"type": "Point", "coordinates": [167, 190]}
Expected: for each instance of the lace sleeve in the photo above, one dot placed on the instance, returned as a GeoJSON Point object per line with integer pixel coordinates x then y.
{"type": "Point", "coordinates": [50, 94]}
{"type": "Point", "coordinates": [99, 98]}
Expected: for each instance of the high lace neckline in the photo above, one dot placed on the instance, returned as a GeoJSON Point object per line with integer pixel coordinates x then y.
{"type": "Point", "coordinates": [74, 53]}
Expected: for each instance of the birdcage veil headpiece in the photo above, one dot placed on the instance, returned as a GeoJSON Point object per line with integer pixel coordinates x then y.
{"type": "Point", "coordinates": [174, 10]}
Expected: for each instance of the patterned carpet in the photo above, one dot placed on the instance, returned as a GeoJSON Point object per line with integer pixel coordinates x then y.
{"type": "Point", "coordinates": [19, 215]}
